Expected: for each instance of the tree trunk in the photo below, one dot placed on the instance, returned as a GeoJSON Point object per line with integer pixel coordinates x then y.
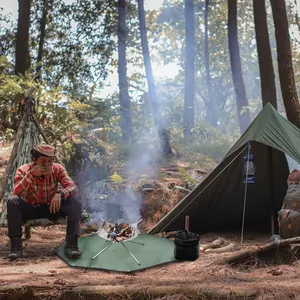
{"type": "Point", "coordinates": [267, 76]}
{"type": "Point", "coordinates": [189, 88]}
{"type": "Point", "coordinates": [257, 251]}
{"type": "Point", "coordinates": [163, 135]}
{"type": "Point", "coordinates": [285, 64]}
{"type": "Point", "coordinates": [43, 24]}
{"type": "Point", "coordinates": [236, 68]}
{"type": "Point", "coordinates": [211, 100]}
{"type": "Point", "coordinates": [22, 43]}
{"type": "Point", "coordinates": [122, 71]}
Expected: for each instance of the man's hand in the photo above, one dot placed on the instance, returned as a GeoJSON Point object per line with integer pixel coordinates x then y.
{"type": "Point", "coordinates": [37, 171]}
{"type": "Point", "coordinates": [47, 171]}
{"type": "Point", "coordinates": [55, 204]}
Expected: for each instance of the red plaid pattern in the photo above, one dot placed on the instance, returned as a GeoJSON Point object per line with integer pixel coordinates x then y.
{"type": "Point", "coordinates": [35, 190]}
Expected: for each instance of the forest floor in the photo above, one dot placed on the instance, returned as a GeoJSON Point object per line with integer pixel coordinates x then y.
{"type": "Point", "coordinates": [42, 275]}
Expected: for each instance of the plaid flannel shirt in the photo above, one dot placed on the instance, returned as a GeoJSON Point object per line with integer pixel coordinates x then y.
{"type": "Point", "coordinates": [35, 190]}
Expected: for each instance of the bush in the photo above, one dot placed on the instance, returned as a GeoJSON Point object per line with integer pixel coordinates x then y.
{"type": "Point", "coordinates": [205, 145]}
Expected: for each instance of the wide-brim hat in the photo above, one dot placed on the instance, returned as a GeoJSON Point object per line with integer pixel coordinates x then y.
{"type": "Point", "coordinates": [44, 149]}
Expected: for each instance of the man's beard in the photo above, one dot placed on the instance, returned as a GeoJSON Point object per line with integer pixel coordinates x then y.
{"type": "Point", "coordinates": [46, 172]}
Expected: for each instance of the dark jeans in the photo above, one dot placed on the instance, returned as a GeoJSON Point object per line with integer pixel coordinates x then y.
{"type": "Point", "coordinates": [19, 211]}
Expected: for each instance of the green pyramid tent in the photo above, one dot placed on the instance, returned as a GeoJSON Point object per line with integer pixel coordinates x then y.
{"type": "Point", "coordinates": [218, 201]}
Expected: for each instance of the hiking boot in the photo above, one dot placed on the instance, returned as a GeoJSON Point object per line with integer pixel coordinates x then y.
{"type": "Point", "coordinates": [71, 247]}
{"type": "Point", "coordinates": [16, 248]}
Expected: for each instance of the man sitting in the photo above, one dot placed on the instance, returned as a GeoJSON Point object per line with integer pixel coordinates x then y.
{"type": "Point", "coordinates": [37, 194]}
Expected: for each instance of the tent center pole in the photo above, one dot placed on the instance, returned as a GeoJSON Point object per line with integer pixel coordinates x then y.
{"type": "Point", "coordinates": [245, 194]}
{"type": "Point", "coordinates": [271, 192]}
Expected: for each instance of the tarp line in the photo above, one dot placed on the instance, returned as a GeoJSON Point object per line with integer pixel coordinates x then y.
{"type": "Point", "coordinates": [202, 190]}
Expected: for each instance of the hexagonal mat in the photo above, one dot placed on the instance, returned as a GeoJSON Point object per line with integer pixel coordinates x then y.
{"type": "Point", "coordinates": [143, 252]}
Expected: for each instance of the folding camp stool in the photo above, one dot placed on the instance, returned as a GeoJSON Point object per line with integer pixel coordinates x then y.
{"type": "Point", "coordinates": [43, 222]}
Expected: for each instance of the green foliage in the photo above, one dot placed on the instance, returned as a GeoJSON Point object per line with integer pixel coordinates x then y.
{"type": "Point", "coordinates": [205, 145]}
{"type": "Point", "coordinates": [188, 179]}
{"type": "Point", "coordinates": [7, 34]}
{"type": "Point", "coordinates": [116, 178]}
{"type": "Point", "coordinates": [80, 51]}
{"type": "Point", "coordinates": [11, 89]}
{"type": "Point", "coordinates": [58, 114]}
{"type": "Point", "coordinates": [79, 43]}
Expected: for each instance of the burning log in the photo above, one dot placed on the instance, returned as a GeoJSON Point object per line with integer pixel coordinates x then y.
{"type": "Point", "coordinates": [120, 230]}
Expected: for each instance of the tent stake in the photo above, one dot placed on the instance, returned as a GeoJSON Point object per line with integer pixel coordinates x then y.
{"type": "Point", "coordinates": [187, 223]}
{"type": "Point", "coordinates": [272, 223]}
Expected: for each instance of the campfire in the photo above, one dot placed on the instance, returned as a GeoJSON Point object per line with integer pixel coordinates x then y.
{"type": "Point", "coordinates": [117, 232]}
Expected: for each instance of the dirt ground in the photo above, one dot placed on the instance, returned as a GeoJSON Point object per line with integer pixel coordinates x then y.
{"type": "Point", "coordinates": [42, 275]}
